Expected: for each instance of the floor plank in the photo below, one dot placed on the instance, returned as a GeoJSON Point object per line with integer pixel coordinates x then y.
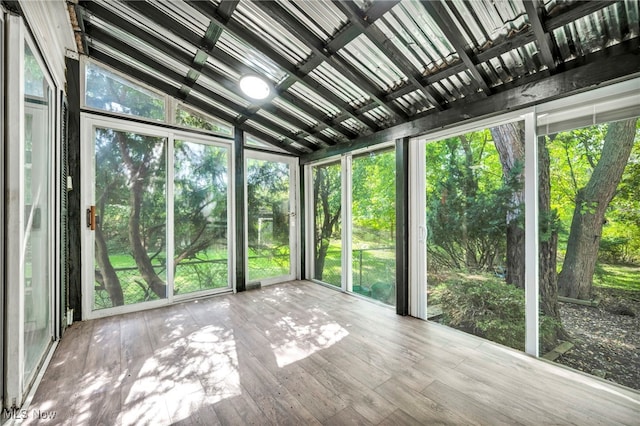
{"type": "Point", "coordinates": [300, 353]}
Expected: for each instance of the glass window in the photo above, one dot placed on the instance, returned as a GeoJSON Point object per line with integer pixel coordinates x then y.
{"type": "Point", "coordinates": [589, 212]}
{"type": "Point", "coordinates": [189, 117]}
{"type": "Point", "coordinates": [108, 91]}
{"type": "Point", "coordinates": [373, 225]}
{"type": "Point", "coordinates": [38, 210]}
{"type": "Point", "coordinates": [327, 207]}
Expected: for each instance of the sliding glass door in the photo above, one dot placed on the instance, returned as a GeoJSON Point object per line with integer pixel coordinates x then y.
{"type": "Point", "coordinates": [156, 216]}
{"type": "Point", "coordinates": [38, 213]}
{"type": "Point", "coordinates": [271, 217]}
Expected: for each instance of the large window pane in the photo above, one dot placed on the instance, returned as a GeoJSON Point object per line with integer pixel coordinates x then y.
{"type": "Point", "coordinates": [475, 232]}
{"type": "Point", "coordinates": [200, 217]}
{"type": "Point", "coordinates": [38, 210]}
{"type": "Point", "coordinates": [109, 92]}
{"type": "Point", "coordinates": [589, 181]}
{"type": "Point", "coordinates": [327, 192]}
{"type": "Point", "coordinates": [268, 208]}
{"type": "Point", "coordinates": [374, 225]}
{"type": "Point", "coordinates": [130, 236]}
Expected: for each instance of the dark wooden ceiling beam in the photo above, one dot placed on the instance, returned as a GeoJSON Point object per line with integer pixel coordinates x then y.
{"type": "Point", "coordinates": [441, 17]}
{"type": "Point", "coordinates": [583, 74]}
{"type": "Point", "coordinates": [233, 27]}
{"type": "Point", "coordinates": [534, 11]}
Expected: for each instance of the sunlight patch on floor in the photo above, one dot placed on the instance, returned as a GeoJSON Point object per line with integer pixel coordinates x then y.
{"type": "Point", "coordinates": [303, 340]}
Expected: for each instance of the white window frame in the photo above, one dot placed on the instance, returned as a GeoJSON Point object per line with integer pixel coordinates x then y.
{"type": "Point", "coordinates": [89, 123]}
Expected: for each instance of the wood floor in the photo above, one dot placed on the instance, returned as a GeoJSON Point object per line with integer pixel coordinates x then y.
{"type": "Point", "coordinates": [302, 354]}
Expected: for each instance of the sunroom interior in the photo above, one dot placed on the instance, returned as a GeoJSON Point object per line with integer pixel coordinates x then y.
{"type": "Point", "coordinates": [320, 212]}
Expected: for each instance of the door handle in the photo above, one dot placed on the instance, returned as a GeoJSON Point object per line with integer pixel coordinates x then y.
{"type": "Point", "coordinates": [91, 218]}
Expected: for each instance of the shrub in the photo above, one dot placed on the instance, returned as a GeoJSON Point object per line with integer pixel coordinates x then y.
{"type": "Point", "coordinates": [487, 307]}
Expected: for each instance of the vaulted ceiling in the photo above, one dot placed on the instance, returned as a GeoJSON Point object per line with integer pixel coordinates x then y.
{"type": "Point", "coordinates": [348, 74]}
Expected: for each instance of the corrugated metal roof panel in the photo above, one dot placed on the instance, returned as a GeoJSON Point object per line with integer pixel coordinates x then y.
{"type": "Point", "coordinates": [140, 45]}
{"type": "Point", "coordinates": [414, 32]}
{"type": "Point", "coordinates": [331, 133]}
{"type": "Point", "coordinates": [594, 32]}
{"type": "Point", "coordinates": [280, 122]}
{"type": "Point", "coordinates": [265, 130]}
{"type": "Point", "coordinates": [314, 140]}
{"type": "Point", "coordinates": [353, 125]}
{"type": "Point", "coordinates": [96, 44]}
{"type": "Point", "coordinates": [222, 68]}
{"type": "Point", "coordinates": [456, 87]}
{"type": "Point", "coordinates": [251, 16]}
{"type": "Point", "coordinates": [216, 87]}
{"type": "Point", "coordinates": [196, 94]}
{"type": "Point", "coordinates": [309, 96]}
{"type": "Point", "coordinates": [184, 14]}
{"type": "Point", "coordinates": [380, 115]}
{"type": "Point", "coordinates": [321, 17]}
{"type": "Point", "coordinates": [486, 23]}
{"type": "Point", "coordinates": [414, 102]}
{"type": "Point", "coordinates": [143, 22]}
{"type": "Point", "coordinates": [365, 56]}
{"type": "Point", "coordinates": [295, 111]}
{"type": "Point", "coordinates": [326, 75]}
{"type": "Point", "coordinates": [260, 63]}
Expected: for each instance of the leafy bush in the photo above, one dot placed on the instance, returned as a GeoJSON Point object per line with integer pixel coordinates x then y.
{"type": "Point", "coordinates": [487, 307]}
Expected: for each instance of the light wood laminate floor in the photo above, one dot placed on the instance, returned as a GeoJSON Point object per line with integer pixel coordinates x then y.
{"type": "Point", "coordinates": [302, 354]}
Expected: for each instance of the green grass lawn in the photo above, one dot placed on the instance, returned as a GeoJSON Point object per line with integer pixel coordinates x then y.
{"type": "Point", "coordinates": [620, 277]}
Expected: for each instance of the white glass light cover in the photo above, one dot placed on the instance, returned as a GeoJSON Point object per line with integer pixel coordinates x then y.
{"type": "Point", "coordinates": [255, 87]}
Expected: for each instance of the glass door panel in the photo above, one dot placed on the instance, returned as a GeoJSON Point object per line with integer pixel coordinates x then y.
{"type": "Point", "coordinates": [475, 232]}
{"type": "Point", "coordinates": [131, 210]}
{"type": "Point", "coordinates": [373, 227]}
{"type": "Point", "coordinates": [38, 209]}
{"type": "Point", "coordinates": [270, 218]}
{"type": "Point", "coordinates": [200, 217]}
{"type": "Point", "coordinates": [327, 214]}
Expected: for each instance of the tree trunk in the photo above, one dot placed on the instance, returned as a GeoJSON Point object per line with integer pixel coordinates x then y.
{"type": "Point", "coordinates": [109, 276]}
{"type": "Point", "coordinates": [548, 250]}
{"type": "Point", "coordinates": [576, 277]}
{"type": "Point", "coordinates": [322, 191]}
{"type": "Point", "coordinates": [138, 173]}
{"type": "Point", "coordinates": [509, 141]}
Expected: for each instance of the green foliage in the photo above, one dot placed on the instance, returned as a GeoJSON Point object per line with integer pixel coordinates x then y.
{"type": "Point", "coordinates": [468, 202]}
{"type": "Point", "coordinates": [374, 193]}
{"type": "Point", "coordinates": [486, 307]}
{"type": "Point", "coordinates": [109, 92]}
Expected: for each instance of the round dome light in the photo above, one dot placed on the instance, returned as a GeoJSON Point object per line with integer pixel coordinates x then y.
{"type": "Point", "coordinates": [255, 87]}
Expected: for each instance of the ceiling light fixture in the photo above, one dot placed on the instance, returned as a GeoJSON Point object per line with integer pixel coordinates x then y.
{"type": "Point", "coordinates": [255, 86]}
